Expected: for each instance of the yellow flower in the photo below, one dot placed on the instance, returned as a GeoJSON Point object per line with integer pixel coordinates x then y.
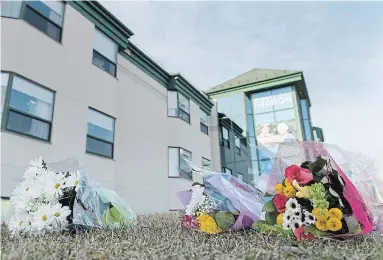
{"type": "Point", "coordinates": [335, 213]}
{"type": "Point", "coordinates": [334, 224]}
{"type": "Point", "coordinates": [303, 191]}
{"type": "Point", "coordinates": [287, 183]}
{"type": "Point", "coordinates": [320, 214]}
{"type": "Point", "coordinates": [280, 219]}
{"type": "Point", "coordinates": [289, 192]}
{"type": "Point", "coordinates": [321, 225]}
{"type": "Point", "coordinates": [278, 188]}
{"type": "Point", "coordinates": [207, 224]}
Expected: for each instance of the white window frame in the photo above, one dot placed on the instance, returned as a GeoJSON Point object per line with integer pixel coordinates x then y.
{"type": "Point", "coordinates": [204, 122]}
{"type": "Point", "coordinates": [179, 152]}
{"type": "Point", "coordinates": [178, 111]}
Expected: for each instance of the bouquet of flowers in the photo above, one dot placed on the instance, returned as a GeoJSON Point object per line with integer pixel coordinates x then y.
{"type": "Point", "coordinates": [48, 201]}
{"type": "Point", "coordinates": [314, 199]}
{"type": "Point", "coordinates": [221, 203]}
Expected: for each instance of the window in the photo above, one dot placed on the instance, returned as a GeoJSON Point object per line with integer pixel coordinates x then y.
{"type": "Point", "coordinates": [206, 163]}
{"type": "Point", "coordinates": [306, 120]}
{"type": "Point", "coordinates": [177, 167]}
{"type": "Point", "coordinates": [240, 176]}
{"type": "Point", "coordinates": [4, 85]}
{"type": "Point", "coordinates": [226, 170]}
{"type": "Point", "coordinates": [318, 134]}
{"type": "Point", "coordinates": [46, 16]}
{"type": "Point", "coordinates": [178, 106]}
{"type": "Point", "coordinates": [225, 137]}
{"type": "Point", "coordinates": [238, 146]}
{"type": "Point", "coordinates": [11, 8]}
{"type": "Point", "coordinates": [204, 122]}
{"type": "Point", "coordinates": [100, 137]}
{"type": "Point", "coordinates": [183, 108]}
{"type": "Point", "coordinates": [104, 52]}
{"type": "Point", "coordinates": [29, 109]}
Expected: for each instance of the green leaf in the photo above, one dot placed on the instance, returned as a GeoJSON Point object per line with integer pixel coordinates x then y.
{"type": "Point", "coordinates": [271, 217]}
{"type": "Point", "coordinates": [258, 224]}
{"type": "Point", "coordinates": [269, 206]}
{"type": "Point", "coordinates": [225, 220]}
{"type": "Point", "coordinates": [283, 182]}
{"type": "Point", "coordinates": [314, 231]}
{"type": "Point", "coordinates": [268, 195]}
{"type": "Point", "coordinates": [111, 216]}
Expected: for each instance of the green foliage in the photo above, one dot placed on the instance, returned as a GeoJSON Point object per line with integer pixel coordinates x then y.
{"type": "Point", "coordinates": [314, 231]}
{"type": "Point", "coordinates": [111, 216]}
{"type": "Point", "coordinates": [317, 195]}
{"type": "Point", "coordinates": [225, 220]}
{"type": "Point", "coordinates": [271, 217]}
{"type": "Point", "coordinates": [268, 195]}
{"type": "Point", "coordinates": [318, 169]}
{"type": "Point", "coordinates": [276, 230]}
{"type": "Point", "coordinates": [269, 206]}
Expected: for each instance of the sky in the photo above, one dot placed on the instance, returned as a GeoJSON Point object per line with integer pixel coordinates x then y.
{"type": "Point", "coordinates": [337, 45]}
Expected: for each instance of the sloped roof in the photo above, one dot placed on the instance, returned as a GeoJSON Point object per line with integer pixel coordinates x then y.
{"type": "Point", "coordinates": [252, 76]}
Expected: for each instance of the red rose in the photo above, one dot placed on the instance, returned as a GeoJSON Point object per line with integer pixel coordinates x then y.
{"type": "Point", "coordinates": [301, 175]}
{"type": "Point", "coordinates": [189, 222]}
{"type": "Point", "coordinates": [300, 234]}
{"type": "Point", "coordinates": [280, 202]}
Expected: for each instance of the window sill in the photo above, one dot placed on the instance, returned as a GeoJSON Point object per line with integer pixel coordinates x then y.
{"type": "Point", "coordinates": [12, 132]}
{"type": "Point", "coordinates": [46, 35]}
{"type": "Point", "coordinates": [100, 156]}
{"type": "Point", "coordinates": [174, 177]}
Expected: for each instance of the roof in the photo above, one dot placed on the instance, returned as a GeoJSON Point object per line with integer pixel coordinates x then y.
{"type": "Point", "coordinates": [252, 76]}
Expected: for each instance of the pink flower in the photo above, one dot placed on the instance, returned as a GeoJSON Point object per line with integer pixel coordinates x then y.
{"type": "Point", "coordinates": [280, 202]}
{"type": "Point", "coordinates": [189, 222]}
{"type": "Point", "coordinates": [301, 175]}
{"type": "Point", "coordinates": [300, 234]}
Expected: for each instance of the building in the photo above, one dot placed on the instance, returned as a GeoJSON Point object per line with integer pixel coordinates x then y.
{"type": "Point", "coordinates": [74, 86]}
{"type": "Point", "coordinates": [257, 110]}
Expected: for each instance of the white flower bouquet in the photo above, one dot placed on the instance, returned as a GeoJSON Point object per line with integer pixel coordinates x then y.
{"type": "Point", "coordinates": [49, 201]}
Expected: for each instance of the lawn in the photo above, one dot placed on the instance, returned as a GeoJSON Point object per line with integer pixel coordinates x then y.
{"type": "Point", "coordinates": [160, 237]}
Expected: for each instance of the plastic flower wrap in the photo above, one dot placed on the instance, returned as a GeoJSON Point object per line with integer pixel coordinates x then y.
{"type": "Point", "coordinates": [313, 196]}
{"type": "Point", "coordinates": [61, 196]}
{"type": "Point", "coordinates": [221, 203]}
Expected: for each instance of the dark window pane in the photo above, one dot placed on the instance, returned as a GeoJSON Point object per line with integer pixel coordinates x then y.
{"type": "Point", "coordinates": [44, 10]}
{"type": "Point", "coordinates": [204, 128]}
{"type": "Point", "coordinates": [27, 125]}
{"type": "Point", "coordinates": [307, 127]}
{"type": "Point", "coordinates": [100, 132]}
{"type": "Point", "coordinates": [99, 147]}
{"type": "Point", "coordinates": [42, 24]}
{"type": "Point", "coordinates": [103, 63]}
{"type": "Point", "coordinates": [183, 115]}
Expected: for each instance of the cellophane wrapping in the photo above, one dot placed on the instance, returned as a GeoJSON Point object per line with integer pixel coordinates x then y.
{"type": "Point", "coordinates": [86, 203]}
{"type": "Point", "coordinates": [234, 204]}
{"type": "Point", "coordinates": [358, 189]}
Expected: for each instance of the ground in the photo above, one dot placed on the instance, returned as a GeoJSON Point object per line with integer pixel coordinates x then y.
{"type": "Point", "coordinates": [159, 236]}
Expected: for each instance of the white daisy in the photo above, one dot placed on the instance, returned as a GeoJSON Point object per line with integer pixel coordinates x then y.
{"type": "Point", "coordinates": [287, 218]}
{"type": "Point", "coordinates": [60, 215]}
{"type": "Point", "coordinates": [36, 168]}
{"type": "Point", "coordinates": [286, 225]}
{"type": "Point", "coordinates": [54, 185]}
{"type": "Point", "coordinates": [73, 180]}
{"type": "Point", "coordinates": [20, 222]}
{"type": "Point", "coordinates": [296, 223]}
{"type": "Point", "coordinates": [297, 214]}
{"type": "Point", "coordinates": [197, 196]}
{"type": "Point", "coordinates": [309, 219]}
{"type": "Point", "coordinates": [292, 204]}
{"type": "Point", "coordinates": [42, 218]}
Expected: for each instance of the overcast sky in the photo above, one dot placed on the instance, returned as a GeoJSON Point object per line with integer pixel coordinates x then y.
{"type": "Point", "coordinates": [338, 46]}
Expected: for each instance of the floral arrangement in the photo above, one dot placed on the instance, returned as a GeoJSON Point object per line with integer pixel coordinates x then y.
{"type": "Point", "coordinates": [42, 201]}
{"type": "Point", "coordinates": [310, 203]}
{"type": "Point", "coordinates": [222, 203]}
{"type": "Point", "coordinates": [50, 201]}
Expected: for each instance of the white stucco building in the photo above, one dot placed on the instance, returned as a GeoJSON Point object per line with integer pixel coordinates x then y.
{"type": "Point", "coordinates": [74, 86]}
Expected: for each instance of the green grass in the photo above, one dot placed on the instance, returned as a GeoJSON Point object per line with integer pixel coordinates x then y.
{"type": "Point", "coordinates": [159, 236]}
